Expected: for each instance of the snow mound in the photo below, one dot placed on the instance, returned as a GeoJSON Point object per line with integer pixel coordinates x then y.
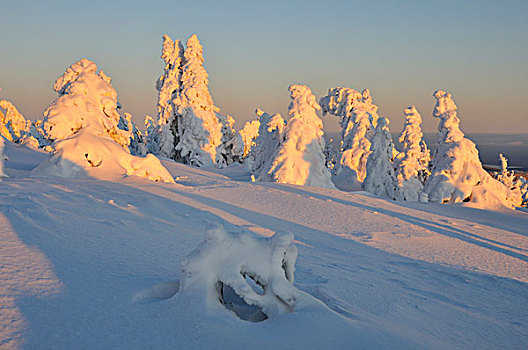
{"type": "Point", "coordinates": [83, 123]}
{"type": "Point", "coordinates": [457, 174]}
{"type": "Point", "coordinates": [248, 275]}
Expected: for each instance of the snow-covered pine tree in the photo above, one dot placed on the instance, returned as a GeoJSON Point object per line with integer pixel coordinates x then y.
{"type": "Point", "coordinates": [299, 159]}
{"type": "Point", "coordinates": [12, 122]}
{"type": "Point", "coordinates": [412, 164]}
{"type": "Point", "coordinates": [457, 174]}
{"type": "Point", "coordinates": [245, 139]}
{"type": "Point", "coordinates": [380, 178]}
{"type": "Point", "coordinates": [199, 138]}
{"type": "Point", "coordinates": [135, 142]}
{"type": "Point", "coordinates": [152, 135]}
{"type": "Point", "coordinates": [331, 155]}
{"type": "Point", "coordinates": [505, 176]}
{"type": "Point", "coordinates": [2, 157]}
{"type": "Point", "coordinates": [36, 135]}
{"type": "Point", "coordinates": [269, 135]}
{"type": "Point", "coordinates": [357, 117]}
{"type": "Point", "coordinates": [169, 87]}
{"type": "Point", "coordinates": [508, 179]}
{"type": "Point", "coordinates": [228, 138]}
{"type": "Point", "coordinates": [83, 124]}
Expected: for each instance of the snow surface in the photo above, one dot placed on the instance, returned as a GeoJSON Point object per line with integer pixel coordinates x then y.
{"type": "Point", "coordinates": [95, 264]}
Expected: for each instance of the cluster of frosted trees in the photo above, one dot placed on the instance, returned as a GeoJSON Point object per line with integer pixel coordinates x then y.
{"type": "Point", "coordinates": [83, 129]}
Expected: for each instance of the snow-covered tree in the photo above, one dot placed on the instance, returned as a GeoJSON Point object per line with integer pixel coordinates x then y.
{"type": "Point", "coordinates": [12, 122]}
{"type": "Point", "coordinates": [522, 184]}
{"type": "Point", "coordinates": [169, 87]}
{"type": "Point", "coordinates": [83, 124]}
{"type": "Point", "coordinates": [245, 139]}
{"type": "Point", "coordinates": [134, 140]}
{"type": "Point", "coordinates": [191, 129]}
{"type": "Point", "coordinates": [412, 164]}
{"type": "Point", "coordinates": [2, 158]}
{"type": "Point", "coordinates": [380, 178]}
{"type": "Point", "coordinates": [228, 138]}
{"type": "Point", "coordinates": [269, 135]}
{"type": "Point", "coordinates": [331, 155]}
{"type": "Point", "coordinates": [299, 159]}
{"type": "Point", "coordinates": [505, 176]}
{"type": "Point", "coordinates": [358, 118]}
{"type": "Point", "coordinates": [152, 135]}
{"type": "Point", "coordinates": [457, 174]}
{"type": "Point", "coordinates": [249, 133]}
{"type": "Point", "coordinates": [199, 129]}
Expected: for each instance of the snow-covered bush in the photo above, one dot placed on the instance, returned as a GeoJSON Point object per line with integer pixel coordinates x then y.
{"type": "Point", "coordinates": [248, 275]}
{"type": "Point", "coordinates": [299, 159]}
{"type": "Point", "coordinates": [412, 164]}
{"type": "Point", "coordinates": [380, 178]}
{"type": "Point", "coordinates": [269, 135]}
{"type": "Point", "coordinates": [517, 184]}
{"type": "Point", "coordinates": [457, 174]}
{"type": "Point", "coordinates": [83, 124]}
{"type": "Point", "coordinates": [358, 119]}
{"type": "Point", "coordinates": [522, 184]}
{"type": "Point", "coordinates": [13, 125]}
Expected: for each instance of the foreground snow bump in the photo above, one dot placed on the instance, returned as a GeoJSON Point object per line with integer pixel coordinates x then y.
{"type": "Point", "coordinates": [248, 275]}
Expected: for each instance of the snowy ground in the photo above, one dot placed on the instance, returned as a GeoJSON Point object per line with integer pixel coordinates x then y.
{"type": "Point", "coordinates": [79, 260]}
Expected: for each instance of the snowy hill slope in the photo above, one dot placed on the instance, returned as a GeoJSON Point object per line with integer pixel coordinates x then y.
{"type": "Point", "coordinates": [95, 264]}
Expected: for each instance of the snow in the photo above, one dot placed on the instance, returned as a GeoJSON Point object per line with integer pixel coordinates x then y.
{"type": "Point", "coordinates": [457, 174]}
{"type": "Point", "coordinates": [83, 124]}
{"type": "Point", "coordinates": [87, 263]}
{"type": "Point", "coordinates": [299, 157]}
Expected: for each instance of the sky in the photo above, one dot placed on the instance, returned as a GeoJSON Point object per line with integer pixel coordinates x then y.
{"type": "Point", "coordinates": [401, 50]}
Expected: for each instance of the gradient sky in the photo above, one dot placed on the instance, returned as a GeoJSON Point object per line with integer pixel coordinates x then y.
{"type": "Point", "coordinates": [401, 50]}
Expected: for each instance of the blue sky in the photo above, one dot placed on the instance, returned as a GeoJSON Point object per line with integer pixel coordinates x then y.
{"type": "Point", "coordinates": [401, 50]}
